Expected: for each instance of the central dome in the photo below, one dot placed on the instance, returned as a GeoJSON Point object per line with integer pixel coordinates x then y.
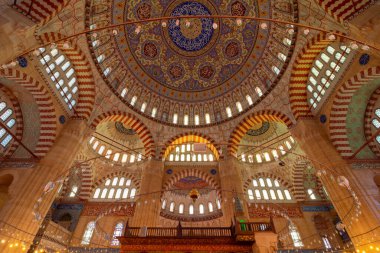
{"type": "Point", "coordinates": [163, 67]}
{"type": "Point", "coordinates": [186, 57]}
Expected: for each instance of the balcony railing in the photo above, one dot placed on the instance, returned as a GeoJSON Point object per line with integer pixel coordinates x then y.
{"type": "Point", "coordinates": [246, 228]}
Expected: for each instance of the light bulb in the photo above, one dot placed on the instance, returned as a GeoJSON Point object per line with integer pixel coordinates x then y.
{"type": "Point", "coordinates": [264, 26]}
{"type": "Point", "coordinates": [114, 32]}
{"type": "Point", "coordinates": [66, 45]}
{"type": "Point", "coordinates": [331, 37]}
{"type": "Point", "coordinates": [177, 22]}
{"type": "Point", "coordinates": [365, 47]}
{"type": "Point", "coordinates": [138, 29]}
{"type": "Point", "coordinates": [215, 26]}
{"type": "Point", "coordinates": [164, 24]}
{"type": "Point", "coordinates": [36, 52]}
{"type": "Point", "coordinates": [187, 23]}
{"type": "Point", "coordinates": [290, 31]}
{"type": "Point", "coordinates": [239, 22]}
{"type": "Point", "coordinates": [306, 31]}
{"type": "Point", "coordinates": [354, 46]}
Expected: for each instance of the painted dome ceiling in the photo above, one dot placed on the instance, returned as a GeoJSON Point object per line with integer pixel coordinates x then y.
{"type": "Point", "coordinates": [179, 68]}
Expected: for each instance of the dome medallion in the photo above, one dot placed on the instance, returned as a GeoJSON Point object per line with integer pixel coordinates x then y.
{"type": "Point", "coordinates": [188, 61]}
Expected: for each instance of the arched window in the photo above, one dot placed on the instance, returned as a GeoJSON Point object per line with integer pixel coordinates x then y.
{"type": "Point", "coordinates": [311, 194]}
{"type": "Point", "coordinates": [281, 56]}
{"type": "Point", "coordinates": [268, 189]}
{"type": "Point", "coordinates": [124, 92]}
{"type": "Point", "coordinates": [207, 118]}
{"type": "Point", "coordinates": [118, 231]}
{"type": "Point", "coordinates": [325, 71]}
{"type": "Point", "coordinates": [180, 208]}
{"type": "Point", "coordinates": [143, 106]}
{"type": "Point", "coordinates": [163, 205]}
{"type": "Point", "coordinates": [276, 70]}
{"type": "Point", "coordinates": [101, 150]}
{"type": "Point", "coordinates": [229, 112]}
{"type": "Point", "coordinates": [239, 107]}
{"type": "Point", "coordinates": [73, 191]}
{"type": "Point", "coordinates": [133, 100]}
{"type": "Point", "coordinates": [326, 242]}
{"type": "Point", "coordinates": [191, 209]}
{"type": "Point", "coordinates": [201, 209]}
{"type": "Point", "coordinates": [171, 207]}
{"type": "Point", "coordinates": [219, 206]}
{"type": "Point", "coordinates": [7, 117]}
{"type": "Point", "coordinates": [175, 118]}
{"type": "Point", "coordinates": [249, 99]}
{"type": "Point", "coordinates": [60, 71]}
{"type": "Point", "coordinates": [297, 242]}
{"type": "Point", "coordinates": [210, 207]}
{"type": "Point", "coordinates": [154, 112]}
{"type": "Point", "coordinates": [186, 119]}
{"type": "Point", "coordinates": [97, 193]}
{"type": "Point", "coordinates": [133, 193]}
{"type": "Point", "coordinates": [87, 235]}
{"type": "Point", "coordinates": [196, 119]}
{"type": "Point", "coordinates": [258, 91]}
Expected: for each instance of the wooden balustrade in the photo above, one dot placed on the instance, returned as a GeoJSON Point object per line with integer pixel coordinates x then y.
{"type": "Point", "coordinates": [179, 231]}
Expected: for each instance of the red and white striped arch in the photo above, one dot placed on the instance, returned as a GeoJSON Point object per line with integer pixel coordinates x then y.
{"type": "Point", "coordinates": [339, 109]}
{"type": "Point", "coordinates": [343, 10]}
{"type": "Point", "coordinates": [45, 105]}
{"type": "Point", "coordinates": [18, 117]}
{"type": "Point", "coordinates": [190, 137]}
{"type": "Point", "coordinates": [100, 181]}
{"type": "Point", "coordinates": [251, 120]}
{"type": "Point", "coordinates": [40, 11]}
{"type": "Point", "coordinates": [369, 114]}
{"type": "Point", "coordinates": [133, 122]}
{"type": "Point", "coordinates": [192, 172]}
{"type": "Point", "coordinates": [300, 73]}
{"type": "Point", "coordinates": [83, 72]}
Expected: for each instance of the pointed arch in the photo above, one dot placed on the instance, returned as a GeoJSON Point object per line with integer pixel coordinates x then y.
{"type": "Point", "coordinates": [83, 72]}
{"type": "Point", "coordinates": [132, 121]}
{"type": "Point", "coordinates": [48, 128]}
{"type": "Point", "coordinates": [340, 106]}
{"type": "Point", "coordinates": [41, 11]}
{"type": "Point", "coordinates": [370, 111]}
{"type": "Point", "coordinates": [344, 10]}
{"type": "Point", "coordinates": [190, 137]}
{"type": "Point", "coordinates": [300, 73]}
{"type": "Point", "coordinates": [249, 121]}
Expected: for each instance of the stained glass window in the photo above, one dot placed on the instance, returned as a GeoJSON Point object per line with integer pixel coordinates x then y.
{"type": "Point", "coordinates": [87, 235]}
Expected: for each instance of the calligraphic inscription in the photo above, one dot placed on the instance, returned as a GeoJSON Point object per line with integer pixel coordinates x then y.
{"type": "Point", "coordinates": [113, 209]}
{"type": "Point", "coordinates": [258, 212]}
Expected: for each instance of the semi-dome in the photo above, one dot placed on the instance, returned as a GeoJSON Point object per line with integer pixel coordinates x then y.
{"type": "Point", "coordinates": [191, 71]}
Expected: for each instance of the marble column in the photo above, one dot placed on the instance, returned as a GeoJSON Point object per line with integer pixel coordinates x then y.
{"type": "Point", "coordinates": [148, 207]}
{"type": "Point", "coordinates": [18, 211]}
{"type": "Point", "coordinates": [318, 148]}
